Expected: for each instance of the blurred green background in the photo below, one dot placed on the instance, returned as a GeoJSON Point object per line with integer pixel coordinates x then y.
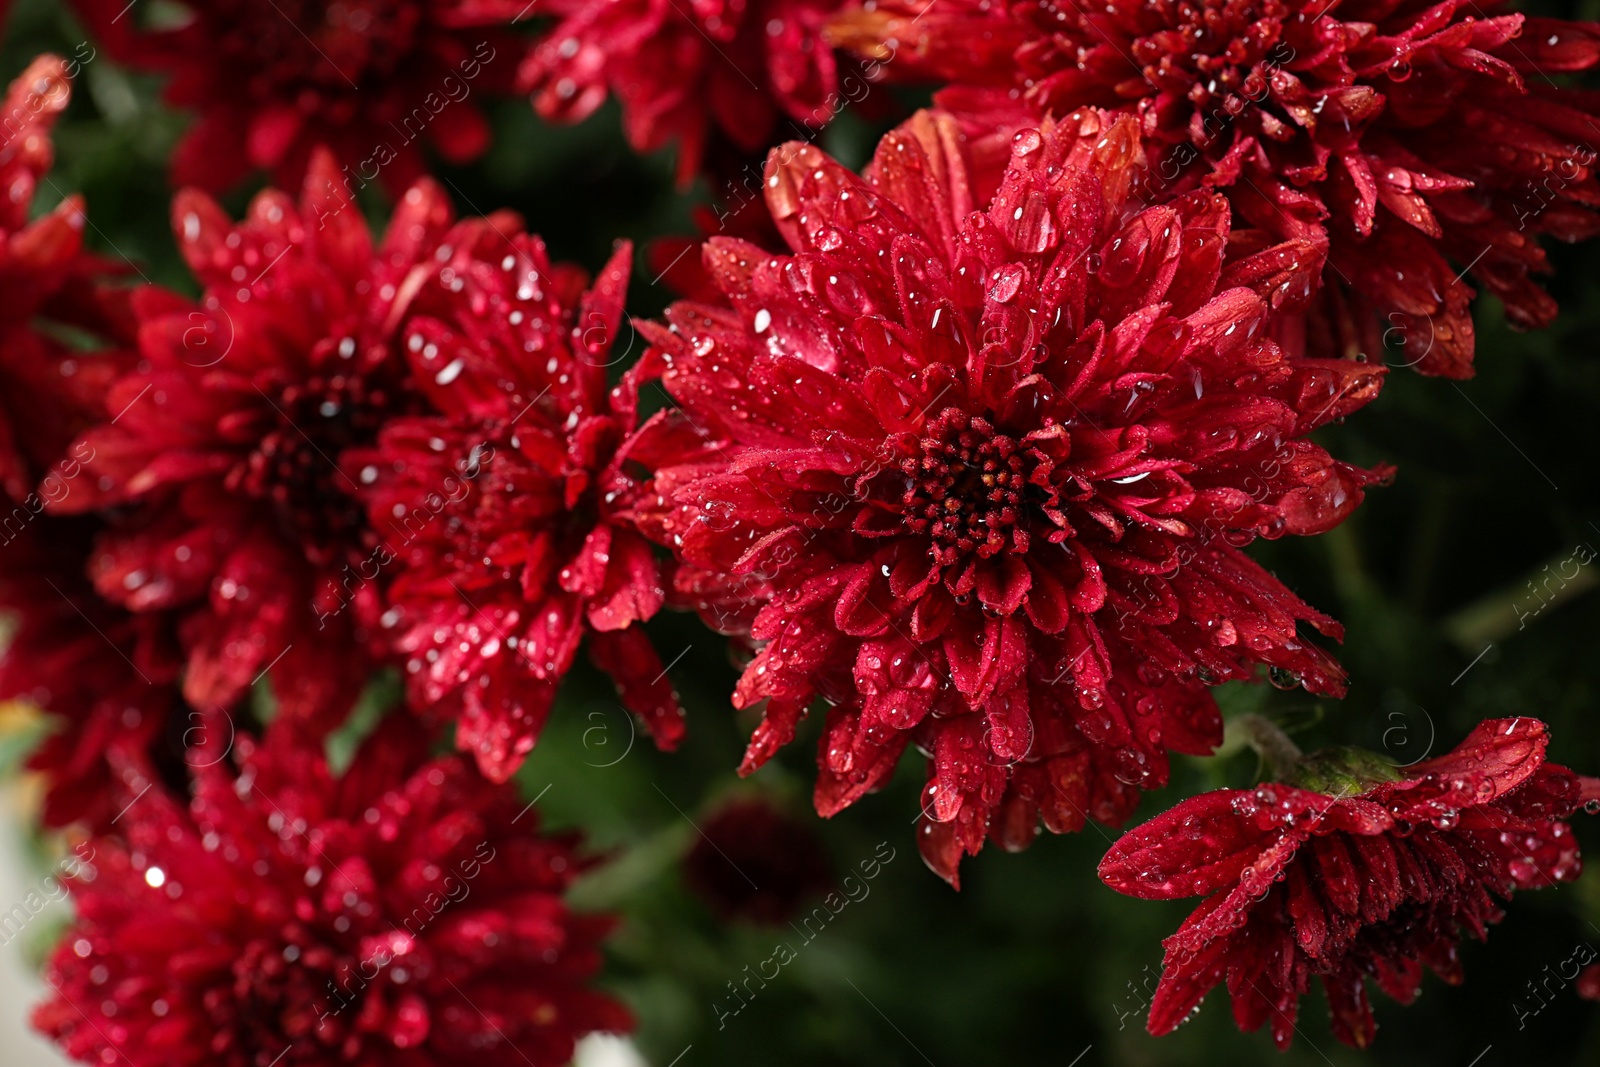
{"type": "Point", "coordinates": [1034, 961]}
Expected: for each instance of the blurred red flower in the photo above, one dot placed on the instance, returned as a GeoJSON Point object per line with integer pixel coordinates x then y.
{"type": "Point", "coordinates": [753, 861]}
{"type": "Point", "coordinates": [370, 79]}
{"type": "Point", "coordinates": [106, 678]}
{"type": "Point", "coordinates": [701, 73]}
{"type": "Point", "coordinates": [408, 912]}
{"type": "Point", "coordinates": [220, 451]}
{"type": "Point", "coordinates": [48, 391]}
{"type": "Point", "coordinates": [1427, 140]}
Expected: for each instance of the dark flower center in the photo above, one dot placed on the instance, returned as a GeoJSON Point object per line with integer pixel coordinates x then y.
{"type": "Point", "coordinates": [310, 50]}
{"type": "Point", "coordinates": [968, 487]}
{"type": "Point", "coordinates": [296, 464]}
{"type": "Point", "coordinates": [283, 993]}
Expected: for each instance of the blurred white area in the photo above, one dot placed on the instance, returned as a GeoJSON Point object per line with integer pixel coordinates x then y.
{"type": "Point", "coordinates": [21, 987]}
{"type": "Point", "coordinates": [605, 1050]}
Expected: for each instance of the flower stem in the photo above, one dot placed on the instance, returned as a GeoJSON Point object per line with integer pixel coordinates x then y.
{"type": "Point", "coordinates": [1271, 744]}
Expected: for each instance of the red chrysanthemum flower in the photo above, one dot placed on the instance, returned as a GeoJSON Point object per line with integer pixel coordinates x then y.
{"type": "Point", "coordinates": [408, 912]}
{"type": "Point", "coordinates": [101, 689]}
{"type": "Point", "coordinates": [1428, 140]}
{"type": "Point", "coordinates": [220, 451]}
{"type": "Point", "coordinates": [47, 391]}
{"type": "Point", "coordinates": [1380, 879]}
{"type": "Point", "coordinates": [506, 511]}
{"type": "Point", "coordinates": [706, 74]}
{"type": "Point", "coordinates": [106, 678]}
{"type": "Point", "coordinates": [986, 470]}
{"type": "Point", "coordinates": [270, 81]}
{"type": "Point", "coordinates": [753, 861]}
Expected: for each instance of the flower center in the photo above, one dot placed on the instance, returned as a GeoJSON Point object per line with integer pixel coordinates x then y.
{"type": "Point", "coordinates": [280, 994]}
{"type": "Point", "coordinates": [317, 49]}
{"type": "Point", "coordinates": [295, 465]}
{"type": "Point", "coordinates": [967, 488]}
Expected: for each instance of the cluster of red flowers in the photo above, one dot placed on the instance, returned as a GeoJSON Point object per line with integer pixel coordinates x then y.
{"type": "Point", "coordinates": [340, 456]}
{"type": "Point", "coordinates": [1427, 141]}
{"type": "Point", "coordinates": [344, 455]}
{"type": "Point", "coordinates": [967, 448]}
{"type": "Point", "coordinates": [375, 80]}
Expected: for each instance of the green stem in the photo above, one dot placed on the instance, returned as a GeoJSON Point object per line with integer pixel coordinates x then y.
{"type": "Point", "coordinates": [1506, 612]}
{"type": "Point", "coordinates": [1280, 754]}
